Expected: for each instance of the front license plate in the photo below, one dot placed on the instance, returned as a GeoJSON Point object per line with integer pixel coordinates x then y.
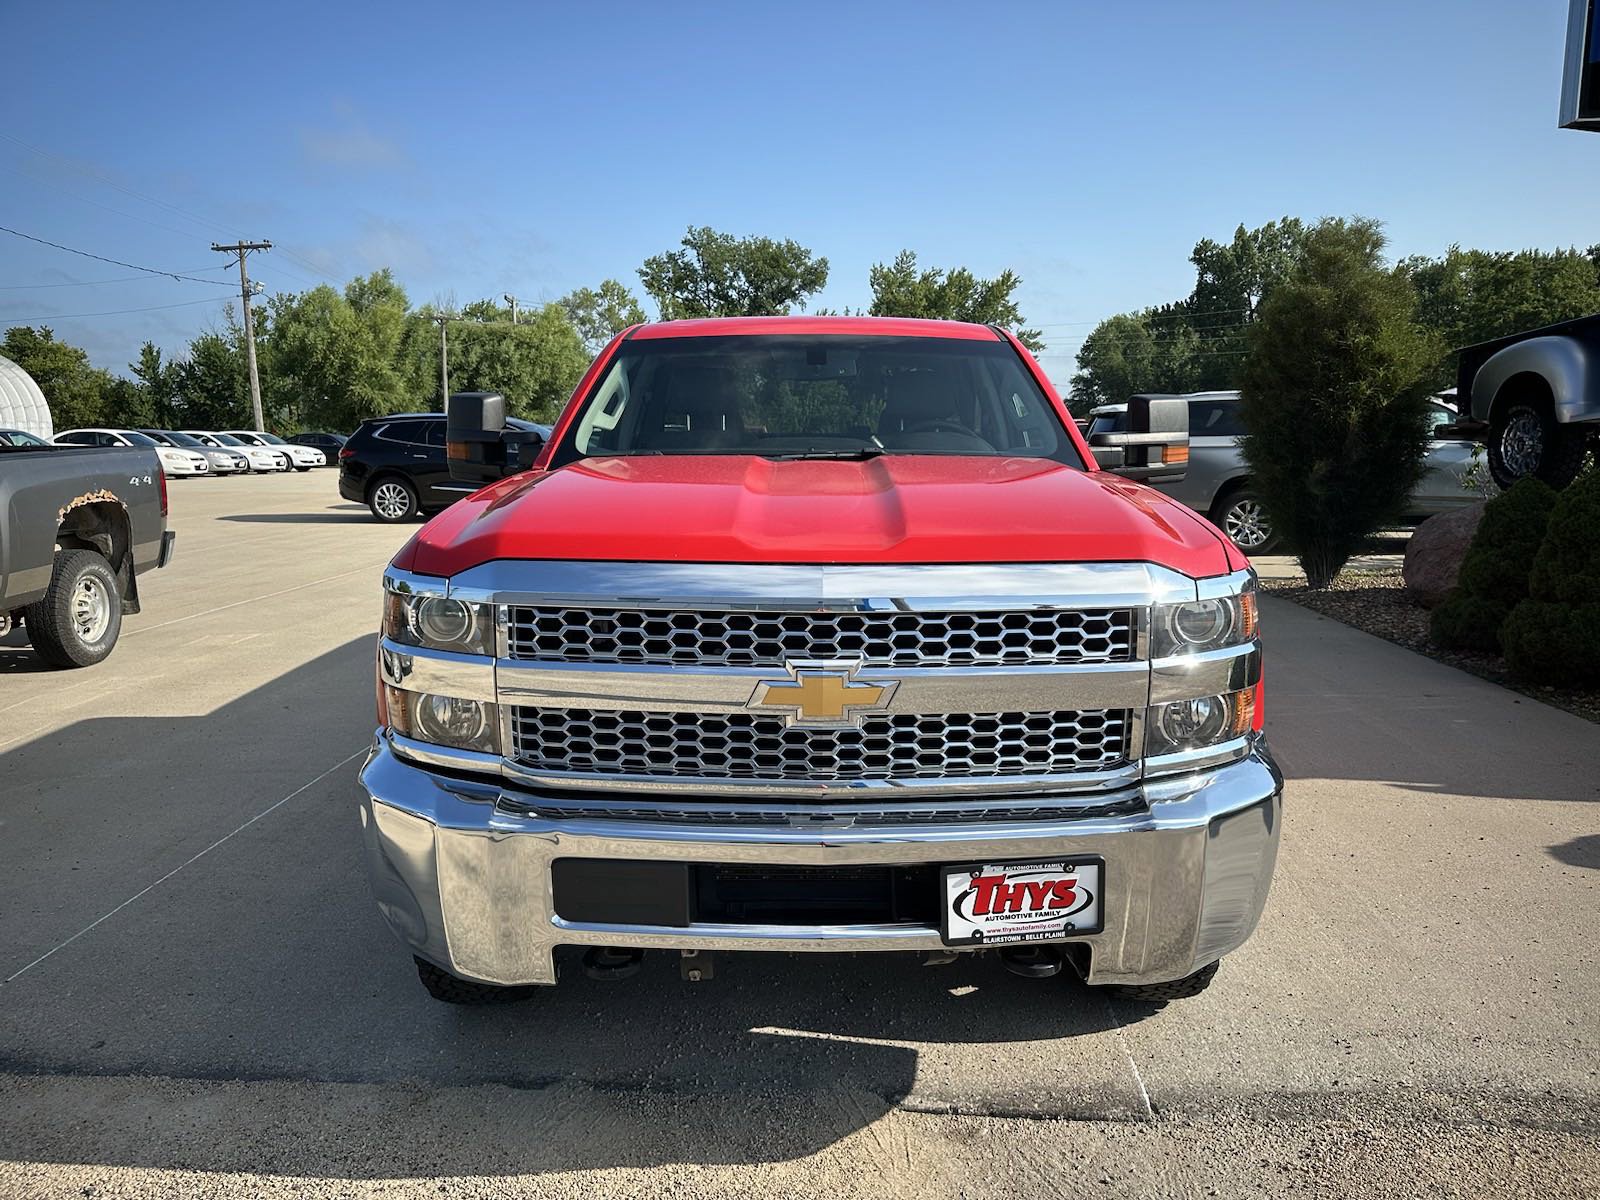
{"type": "Point", "coordinates": [995, 904]}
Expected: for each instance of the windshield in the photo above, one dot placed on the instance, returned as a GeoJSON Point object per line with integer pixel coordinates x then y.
{"type": "Point", "coordinates": [818, 396]}
{"type": "Point", "coordinates": [182, 439]}
{"type": "Point", "coordinates": [16, 437]}
{"type": "Point", "coordinates": [138, 439]}
{"type": "Point", "coordinates": [227, 439]}
{"type": "Point", "coordinates": [272, 439]}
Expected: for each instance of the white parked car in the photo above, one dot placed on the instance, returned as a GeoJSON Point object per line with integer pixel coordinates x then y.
{"type": "Point", "coordinates": [175, 460]}
{"type": "Point", "coordinates": [303, 458]}
{"type": "Point", "coordinates": [223, 461]}
{"type": "Point", "coordinates": [261, 458]}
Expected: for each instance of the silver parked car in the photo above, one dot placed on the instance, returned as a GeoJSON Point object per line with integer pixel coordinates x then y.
{"type": "Point", "coordinates": [1218, 486]}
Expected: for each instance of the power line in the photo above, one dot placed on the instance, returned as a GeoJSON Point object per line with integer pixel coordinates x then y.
{"type": "Point", "coordinates": [30, 287]}
{"type": "Point", "coordinates": [115, 312]}
{"type": "Point", "coordinates": [116, 262]}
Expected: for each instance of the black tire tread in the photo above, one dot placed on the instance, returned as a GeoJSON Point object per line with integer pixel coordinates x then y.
{"type": "Point", "coordinates": [49, 618]}
{"type": "Point", "coordinates": [451, 989]}
{"type": "Point", "coordinates": [1174, 989]}
{"type": "Point", "coordinates": [1563, 455]}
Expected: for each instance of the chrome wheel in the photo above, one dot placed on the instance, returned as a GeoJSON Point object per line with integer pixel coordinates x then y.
{"type": "Point", "coordinates": [91, 609]}
{"type": "Point", "coordinates": [1246, 524]}
{"type": "Point", "coordinates": [392, 500]}
{"type": "Point", "coordinates": [1522, 442]}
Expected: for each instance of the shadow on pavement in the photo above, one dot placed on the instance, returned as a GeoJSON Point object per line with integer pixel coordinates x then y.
{"type": "Point", "coordinates": [1579, 852]}
{"type": "Point", "coordinates": [265, 960]}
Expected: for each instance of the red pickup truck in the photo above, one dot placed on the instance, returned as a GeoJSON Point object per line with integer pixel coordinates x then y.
{"type": "Point", "coordinates": [818, 634]}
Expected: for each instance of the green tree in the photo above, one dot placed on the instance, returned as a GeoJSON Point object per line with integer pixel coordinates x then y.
{"type": "Point", "coordinates": [211, 390]}
{"type": "Point", "coordinates": [719, 275]}
{"type": "Point", "coordinates": [1335, 391]}
{"type": "Point", "coordinates": [1152, 351]}
{"type": "Point", "coordinates": [332, 360]}
{"type": "Point", "coordinates": [535, 364]}
{"type": "Point", "coordinates": [599, 314]}
{"type": "Point", "coordinates": [75, 390]}
{"type": "Point", "coordinates": [157, 381]}
{"type": "Point", "coordinates": [1471, 296]}
{"type": "Point", "coordinates": [901, 290]}
{"type": "Point", "coordinates": [1197, 343]}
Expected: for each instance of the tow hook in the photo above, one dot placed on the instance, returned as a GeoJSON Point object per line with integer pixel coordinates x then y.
{"type": "Point", "coordinates": [696, 965]}
{"type": "Point", "coordinates": [611, 962]}
{"type": "Point", "coordinates": [1033, 962]}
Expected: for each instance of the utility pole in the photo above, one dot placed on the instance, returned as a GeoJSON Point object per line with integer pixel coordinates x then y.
{"type": "Point", "coordinates": [512, 300]}
{"type": "Point", "coordinates": [444, 320]}
{"type": "Point", "coordinates": [242, 249]}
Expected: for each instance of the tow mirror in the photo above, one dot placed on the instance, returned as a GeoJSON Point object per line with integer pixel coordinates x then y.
{"type": "Point", "coordinates": [479, 445]}
{"type": "Point", "coordinates": [1155, 446]}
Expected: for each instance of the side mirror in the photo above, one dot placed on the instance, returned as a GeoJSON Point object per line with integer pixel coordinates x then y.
{"type": "Point", "coordinates": [1155, 448]}
{"type": "Point", "coordinates": [478, 446]}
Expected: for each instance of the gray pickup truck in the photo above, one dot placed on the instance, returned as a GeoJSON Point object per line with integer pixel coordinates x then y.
{"type": "Point", "coordinates": [1536, 397]}
{"type": "Point", "coordinates": [77, 527]}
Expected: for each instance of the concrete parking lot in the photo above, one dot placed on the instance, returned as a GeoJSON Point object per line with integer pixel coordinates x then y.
{"type": "Point", "coordinates": [199, 997]}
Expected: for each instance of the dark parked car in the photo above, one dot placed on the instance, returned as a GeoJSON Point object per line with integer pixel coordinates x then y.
{"type": "Point", "coordinates": [329, 443]}
{"type": "Point", "coordinates": [396, 465]}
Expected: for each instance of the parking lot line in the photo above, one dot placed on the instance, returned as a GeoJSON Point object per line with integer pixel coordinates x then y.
{"type": "Point", "coordinates": [271, 808]}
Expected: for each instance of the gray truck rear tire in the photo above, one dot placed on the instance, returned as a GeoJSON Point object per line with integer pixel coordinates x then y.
{"type": "Point", "coordinates": [76, 622]}
{"type": "Point", "coordinates": [1526, 439]}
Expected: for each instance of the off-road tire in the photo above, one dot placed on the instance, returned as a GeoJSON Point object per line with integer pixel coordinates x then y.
{"type": "Point", "coordinates": [451, 989]}
{"type": "Point", "coordinates": [389, 514]}
{"type": "Point", "coordinates": [1160, 993]}
{"type": "Point", "coordinates": [1560, 454]}
{"type": "Point", "coordinates": [1231, 499]}
{"type": "Point", "coordinates": [53, 623]}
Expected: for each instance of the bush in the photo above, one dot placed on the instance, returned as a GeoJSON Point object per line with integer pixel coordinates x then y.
{"type": "Point", "coordinates": [1495, 572]}
{"type": "Point", "coordinates": [1335, 397]}
{"type": "Point", "coordinates": [1553, 636]}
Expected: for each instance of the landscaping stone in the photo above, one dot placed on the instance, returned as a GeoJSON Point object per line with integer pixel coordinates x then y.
{"type": "Point", "coordinates": [1434, 554]}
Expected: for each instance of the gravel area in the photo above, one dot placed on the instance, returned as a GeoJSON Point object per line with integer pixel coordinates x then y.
{"type": "Point", "coordinates": [1375, 602]}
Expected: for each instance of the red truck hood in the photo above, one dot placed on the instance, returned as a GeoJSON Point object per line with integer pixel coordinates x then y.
{"type": "Point", "coordinates": [895, 509]}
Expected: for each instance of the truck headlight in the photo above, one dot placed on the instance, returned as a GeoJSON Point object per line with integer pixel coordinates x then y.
{"type": "Point", "coordinates": [1199, 722]}
{"type": "Point", "coordinates": [439, 622]}
{"type": "Point", "coordinates": [444, 720]}
{"type": "Point", "coordinates": [1198, 625]}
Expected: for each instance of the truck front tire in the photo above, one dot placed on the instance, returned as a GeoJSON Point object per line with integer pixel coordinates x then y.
{"type": "Point", "coordinates": [76, 622]}
{"type": "Point", "coordinates": [1526, 439]}
{"type": "Point", "coordinates": [1240, 515]}
{"type": "Point", "coordinates": [1174, 989]}
{"type": "Point", "coordinates": [452, 989]}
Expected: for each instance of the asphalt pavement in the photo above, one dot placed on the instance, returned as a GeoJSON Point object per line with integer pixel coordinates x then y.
{"type": "Point", "coordinates": [197, 995]}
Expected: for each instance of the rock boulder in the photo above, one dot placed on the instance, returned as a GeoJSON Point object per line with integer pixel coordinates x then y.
{"type": "Point", "coordinates": [1434, 554]}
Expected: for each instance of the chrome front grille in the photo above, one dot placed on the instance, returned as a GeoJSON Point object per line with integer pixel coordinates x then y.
{"type": "Point", "coordinates": [757, 747]}
{"type": "Point", "coordinates": [690, 637]}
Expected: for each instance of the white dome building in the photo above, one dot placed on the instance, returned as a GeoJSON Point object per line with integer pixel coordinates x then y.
{"type": "Point", "coordinates": [22, 404]}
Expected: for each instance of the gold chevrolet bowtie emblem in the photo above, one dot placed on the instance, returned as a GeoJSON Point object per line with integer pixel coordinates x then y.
{"type": "Point", "coordinates": [823, 694]}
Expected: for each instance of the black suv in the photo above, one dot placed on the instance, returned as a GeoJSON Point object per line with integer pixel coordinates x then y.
{"type": "Point", "coordinates": [396, 465]}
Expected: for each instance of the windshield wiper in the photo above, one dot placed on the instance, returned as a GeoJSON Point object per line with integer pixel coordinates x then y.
{"type": "Point", "coordinates": [855, 454]}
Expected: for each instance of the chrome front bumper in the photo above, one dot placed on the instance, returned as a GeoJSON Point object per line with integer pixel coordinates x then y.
{"type": "Point", "coordinates": [464, 880]}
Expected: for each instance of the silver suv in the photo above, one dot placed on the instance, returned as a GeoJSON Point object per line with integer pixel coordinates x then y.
{"type": "Point", "coordinates": [1217, 483]}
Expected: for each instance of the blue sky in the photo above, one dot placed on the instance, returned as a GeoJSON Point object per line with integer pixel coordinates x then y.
{"type": "Point", "coordinates": [532, 148]}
